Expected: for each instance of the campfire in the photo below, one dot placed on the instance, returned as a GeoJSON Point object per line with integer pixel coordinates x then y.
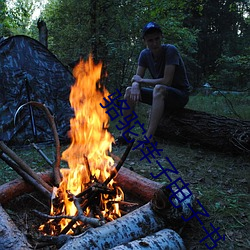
{"type": "Point", "coordinates": [87, 198]}
{"type": "Point", "coordinates": [86, 188]}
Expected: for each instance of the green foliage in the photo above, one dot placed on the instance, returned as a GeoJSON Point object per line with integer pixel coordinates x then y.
{"type": "Point", "coordinates": [233, 72]}
{"type": "Point", "coordinates": [4, 20]}
{"type": "Point", "coordinates": [213, 36]}
{"type": "Point", "coordinates": [111, 30]}
{"type": "Point", "coordinates": [20, 16]}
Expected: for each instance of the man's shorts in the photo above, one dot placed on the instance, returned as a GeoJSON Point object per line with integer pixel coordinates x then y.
{"type": "Point", "coordinates": [175, 99]}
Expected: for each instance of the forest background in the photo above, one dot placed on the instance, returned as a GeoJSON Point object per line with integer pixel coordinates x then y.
{"type": "Point", "coordinates": [213, 36]}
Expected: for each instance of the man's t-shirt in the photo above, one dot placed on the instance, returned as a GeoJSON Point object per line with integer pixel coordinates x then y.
{"type": "Point", "coordinates": [171, 56]}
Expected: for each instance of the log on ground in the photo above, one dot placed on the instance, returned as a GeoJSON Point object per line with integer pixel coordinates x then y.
{"type": "Point", "coordinates": [18, 187]}
{"type": "Point", "coordinates": [163, 239]}
{"type": "Point", "coordinates": [131, 182]}
{"type": "Point", "coordinates": [212, 131]}
{"type": "Point", "coordinates": [136, 185]}
{"type": "Point", "coordinates": [10, 237]}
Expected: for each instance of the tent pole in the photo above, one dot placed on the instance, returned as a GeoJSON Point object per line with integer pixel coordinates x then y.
{"type": "Point", "coordinates": [33, 125]}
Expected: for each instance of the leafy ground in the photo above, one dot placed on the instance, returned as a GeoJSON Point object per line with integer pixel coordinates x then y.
{"type": "Point", "coordinates": [219, 180]}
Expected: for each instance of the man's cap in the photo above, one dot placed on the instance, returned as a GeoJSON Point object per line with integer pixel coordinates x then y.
{"type": "Point", "coordinates": [150, 26]}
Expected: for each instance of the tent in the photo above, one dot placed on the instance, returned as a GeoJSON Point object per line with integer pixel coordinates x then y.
{"type": "Point", "coordinates": [30, 72]}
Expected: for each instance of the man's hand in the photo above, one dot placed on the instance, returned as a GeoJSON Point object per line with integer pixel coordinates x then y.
{"type": "Point", "coordinates": [135, 93]}
{"type": "Point", "coordinates": [136, 78]}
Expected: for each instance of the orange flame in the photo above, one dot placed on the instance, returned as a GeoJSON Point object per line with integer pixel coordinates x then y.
{"type": "Point", "coordinates": [90, 137]}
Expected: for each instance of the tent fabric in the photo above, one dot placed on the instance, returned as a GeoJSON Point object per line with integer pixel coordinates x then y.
{"type": "Point", "coordinates": [30, 72]}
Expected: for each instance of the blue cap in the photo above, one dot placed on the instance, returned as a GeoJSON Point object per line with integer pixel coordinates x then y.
{"type": "Point", "coordinates": [150, 26]}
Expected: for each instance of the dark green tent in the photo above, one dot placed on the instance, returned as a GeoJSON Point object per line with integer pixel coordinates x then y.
{"type": "Point", "coordinates": [29, 71]}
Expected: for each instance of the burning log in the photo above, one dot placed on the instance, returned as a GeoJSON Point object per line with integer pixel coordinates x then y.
{"type": "Point", "coordinates": [150, 218]}
{"type": "Point", "coordinates": [216, 132]}
{"type": "Point", "coordinates": [10, 237]}
{"type": "Point", "coordinates": [163, 239]}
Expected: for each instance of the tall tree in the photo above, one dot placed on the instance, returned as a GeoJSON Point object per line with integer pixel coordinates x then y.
{"type": "Point", "coordinates": [222, 29]}
{"type": "Point", "coordinates": [111, 30]}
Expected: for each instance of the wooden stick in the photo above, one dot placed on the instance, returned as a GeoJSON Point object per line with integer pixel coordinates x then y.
{"type": "Point", "coordinates": [26, 176]}
{"type": "Point", "coordinates": [42, 154]}
{"type": "Point", "coordinates": [119, 164]}
{"type": "Point", "coordinates": [23, 165]}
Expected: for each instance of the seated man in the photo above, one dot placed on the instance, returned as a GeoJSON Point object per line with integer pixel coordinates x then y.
{"type": "Point", "coordinates": [168, 89]}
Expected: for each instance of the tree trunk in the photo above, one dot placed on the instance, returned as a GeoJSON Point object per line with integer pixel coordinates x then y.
{"type": "Point", "coordinates": [10, 237]}
{"type": "Point", "coordinates": [212, 131]}
{"type": "Point", "coordinates": [136, 185]}
{"type": "Point", "coordinates": [43, 32]}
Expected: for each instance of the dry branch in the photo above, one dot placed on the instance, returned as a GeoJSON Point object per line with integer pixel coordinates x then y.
{"type": "Point", "coordinates": [25, 176]}
{"type": "Point", "coordinates": [23, 165]}
{"type": "Point", "coordinates": [132, 183]}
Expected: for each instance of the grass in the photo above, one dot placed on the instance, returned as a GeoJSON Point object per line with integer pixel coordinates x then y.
{"type": "Point", "coordinates": [233, 106]}
{"type": "Point", "coordinates": [219, 180]}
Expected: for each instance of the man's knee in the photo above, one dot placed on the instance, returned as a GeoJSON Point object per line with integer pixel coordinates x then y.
{"type": "Point", "coordinates": [159, 91]}
{"type": "Point", "coordinates": [127, 92]}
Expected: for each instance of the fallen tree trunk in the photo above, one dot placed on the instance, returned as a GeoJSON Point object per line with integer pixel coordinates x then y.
{"type": "Point", "coordinates": [163, 239]}
{"type": "Point", "coordinates": [136, 185]}
{"type": "Point", "coordinates": [212, 131]}
{"type": "Point", "coordinates": [129, 181]}
{"type": "Point", "coordinates": [10, 237]}
{"type": "Point", "coordinates": [150, 218]}
{"type": "Point", "coordinates": [15, 188]}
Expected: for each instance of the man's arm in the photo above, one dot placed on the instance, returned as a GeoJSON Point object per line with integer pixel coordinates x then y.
{"type": "Point", "coordinates": [135, 93]}
{"type": "Point", "coordinates": [166, 80]}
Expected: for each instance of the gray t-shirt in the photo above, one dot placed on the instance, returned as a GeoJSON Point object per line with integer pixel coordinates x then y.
{"type": "Point", "coordinates": [171, 56]}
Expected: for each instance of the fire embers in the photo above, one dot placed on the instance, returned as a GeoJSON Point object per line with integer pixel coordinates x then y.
{"type": "Point", "coordinates": [95, 206]}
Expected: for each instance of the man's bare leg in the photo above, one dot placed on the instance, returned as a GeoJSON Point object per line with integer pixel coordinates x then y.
{"type": "Point", "coordinates": [157, 109]}
{"type": "Point", "coordinates": [132, 104]}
